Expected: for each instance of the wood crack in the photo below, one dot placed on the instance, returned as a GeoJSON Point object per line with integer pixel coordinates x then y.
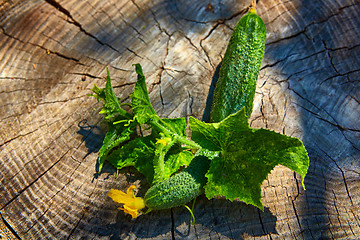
{"type": "Point", "coordinates": [42, 47]}
{"type": "Point", "coordinates": [10, 228]}
{"type": "Point", "coordinates": [60, 8]}
{"type": "Point", "coordinates": [331, 60]}
{"type": "Point", "coordinates": [32, 183]}
{"type": "Point", "coordinates": [63, 187]}
{"type": "Point", "coordinates": [296, 215]}
{"type": "Point", "coordinates": [287, 57]}
{"type": "Point", "coordinates": [47, 148]}
{"type": "Point", "coordinates": [18, 172]}
{"type": "Point", "coordinates": [87, 75]}
{"type": "Point", "coordinates": [263, 115]}
{"type": "Point", "coordinates": [310, 24]}
{"type": "Point", "coordinates": [191, 43]}
{"type": "Point", "coordinates": [172, 224]}
{"type": "Point", "coordinates": [16, 137]}
{"type": "Point", "coordinates": [288, 37]}
{"type": "Point", "coordinates": [163, 30]}
{"type": "Point", "coordinates": [62, 55]}
{"type": "Point", "coordinates": [342, 173]}
{"type": "Point", "coordinates": [334, 123]}
{"type": "Point", "coordinates": [136, 5]}
{"type": "Point", "coordinates": [262, 225]}
{"type": "Point", "coordinates": [83, 212]}
{"type": "Point", "coordinates": [202, 47]}
{"type": "Point", "coordinates": [220, 20]}
{"type": "Point", "coordinates": [339, 75]}
{"type": "Point", "coordinates": [337, 211]}
{"type": "Point", "coordinates": [124, 85]}
{"type": "Point", "coordinates": [20, 90]}
{"type": "Point", "coordinates": [62, 101]}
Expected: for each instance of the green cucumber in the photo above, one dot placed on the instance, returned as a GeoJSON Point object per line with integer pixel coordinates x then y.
{"type": "Point", "coordinates": [180, 188]}
{"type": "Point", "coordinates": [239, 71]}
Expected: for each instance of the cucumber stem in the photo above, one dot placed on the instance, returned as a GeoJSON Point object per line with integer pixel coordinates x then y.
{"type": "Point", "coordinates": [253, 6]}
{"type": "Point", "coordinates": [192, 220]}
{"type": "Point", "coordinates": [178, 138]}
{"type": "Point", "coordinates": [159, 160]}
{"type": "Point", "coordinates": [187, 142]}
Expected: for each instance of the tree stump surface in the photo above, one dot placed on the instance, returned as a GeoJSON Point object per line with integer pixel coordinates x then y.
{"type": "Point", "coordinates": [53, 52]}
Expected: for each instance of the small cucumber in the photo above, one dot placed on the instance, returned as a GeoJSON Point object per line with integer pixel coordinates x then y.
{"type": "Point", "coordinates": [239, 71]}
{"type": "Point", "coordinates": [179, 189]}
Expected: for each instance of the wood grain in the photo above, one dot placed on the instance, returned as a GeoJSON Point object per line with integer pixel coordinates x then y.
{"type": "Point", "coordinates": [52, 52]}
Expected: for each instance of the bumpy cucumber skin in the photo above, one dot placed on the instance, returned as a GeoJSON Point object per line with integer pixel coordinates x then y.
{"type": "Point", "coordinates": [180, 188]}
{"type": "Point", "coordinates": [238, 74]}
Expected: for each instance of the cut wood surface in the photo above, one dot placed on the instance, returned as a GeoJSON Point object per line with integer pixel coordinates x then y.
{"type": "Point", "coordinates": [52, 52]}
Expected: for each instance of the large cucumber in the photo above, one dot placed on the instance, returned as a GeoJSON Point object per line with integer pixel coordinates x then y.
{"type": "Point", "coordinates": [239, 71]}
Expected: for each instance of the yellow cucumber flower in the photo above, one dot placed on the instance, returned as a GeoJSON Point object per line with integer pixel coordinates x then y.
{"type": "Point", "coordinates": [163, 141]}
{"type": "Point", "coordinates": [132, 204]}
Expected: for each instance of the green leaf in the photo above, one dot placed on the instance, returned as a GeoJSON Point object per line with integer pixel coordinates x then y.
{"type": "Point", "coordinates": [163, 145]}
{"type": "Point", "coordinates": [99, 93]}
{"type": "Point", "coordinates": [175, 125]}
{"type": "Point", "coordinates": [138, 153]}
{"type": "Point", "coordinates": [116, 135]}
{"type": "Point", "coordinates": [111, 110]}
{"type": "Point", "coordinates": [157, 156]}
{"type": "Point", "coordinates": [205, 134]}
{"type": "Point", "coordinates": [246, 157]}
{"type": "Point", "coordinates": [112, 107]}
{"type": "Point", "coordinates": [140, 100]}
{"type": "Point", "coordinates": [170, 134]}
{"type": "Point", "coordinates": [176, 158]}
{"type": "Point", "coordinates": [173, 156]}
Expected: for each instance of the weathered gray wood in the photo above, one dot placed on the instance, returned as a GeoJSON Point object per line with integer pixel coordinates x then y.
{"type": "Point", "coordinates": [52, 52]}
